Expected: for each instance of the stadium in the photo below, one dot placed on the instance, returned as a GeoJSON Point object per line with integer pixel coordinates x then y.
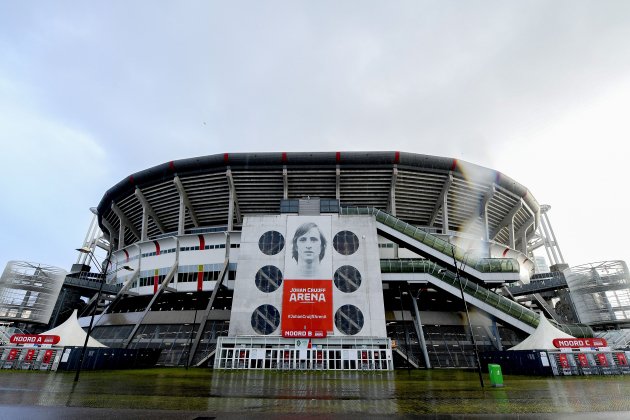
{"type": "Point", "coordinates": [339, 260]}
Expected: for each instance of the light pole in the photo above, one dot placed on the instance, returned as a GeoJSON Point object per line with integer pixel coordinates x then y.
{"type": "Point", "coordinates": [90, 253]}
{"type": "Point", "coordinates": [472, 332]}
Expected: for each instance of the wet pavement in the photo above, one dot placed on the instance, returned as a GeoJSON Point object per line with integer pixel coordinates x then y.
{"type": "Point", "coordinates": [200, 394]}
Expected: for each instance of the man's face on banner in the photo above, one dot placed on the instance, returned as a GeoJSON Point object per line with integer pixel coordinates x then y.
{"type": "Point", "coordinates": [309, 246]}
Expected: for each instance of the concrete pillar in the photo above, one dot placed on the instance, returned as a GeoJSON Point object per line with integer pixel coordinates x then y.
{"type": "Point", "coordinates": [420, 334]}
{"type": "Point", "coordinates": [445, 227]}
{"type": "Point", "coordinates": [121, 236]}
{"type": "Point", "coordinates": [338, 183]}
{"type": "Point", "coordinates": [145, 224]}
{"type": "Point", "coordinates": [484, 220]}
{"type": "Point", "coordinates": [524, 241]}
{"type": "Point", "coordinates": [231, 211]}
{"type": "Point", "coordinates": [182, 215]}
{"type": "Point", "coordinates": [285, 182]}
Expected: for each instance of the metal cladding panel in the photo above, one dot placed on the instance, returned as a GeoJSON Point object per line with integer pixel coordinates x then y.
{"type": "Point", "coordinates": [600, 292]}
{"type": "Point", "coordinates": [29, 291]}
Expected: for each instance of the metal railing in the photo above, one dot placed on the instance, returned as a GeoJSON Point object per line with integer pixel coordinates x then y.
{"type": "Point", "coordinates": [616, 338]}
{"type": "Point", "coordinates": [484, 265]}
{"type": "Point", "coordinates": [538, 286]}
{"type": "Point", "coordinates": [91, 281]}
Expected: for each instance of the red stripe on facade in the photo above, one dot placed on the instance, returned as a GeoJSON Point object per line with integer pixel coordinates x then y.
{"type": "Point", "coordinates": [171, 166]}
{"type": "Point", "coordinates": [284, 157]}
{"type": "Point", "coordinates": [226, 157]}
{"type": "Point", "coordinates": [505, 252]}
{"type": "Point", "coordinates": [200, 281]}
{"type": "Point", "coordinates": [202, 242]}
{"type": "Point", "coordinates": [156, 279]}
{"type": "Point", "coordinates": [454, 165]}
{"type": "Point", "coordinates": [338, 157]}
{"type": "Point", "coordinates": [397, 157]}
{"type": "Point", "coordinates": [126, 255]}
{"type": "Point", "coordinates": [157, 247]}
{"type": "Point", "coordinates": [131, 180]}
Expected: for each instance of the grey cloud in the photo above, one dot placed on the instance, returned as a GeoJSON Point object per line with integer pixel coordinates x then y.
{"type": "Point", "coordinates": [152, 81]}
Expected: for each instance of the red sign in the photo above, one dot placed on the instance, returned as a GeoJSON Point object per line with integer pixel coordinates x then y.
{"type": "Point", "coordinates": [564, 362]}
{"type": "Point", "coordinates": [48, 356]}
{"type": "Point", "coordinates": [563, 343]}
{"type": "Point", "coordinates": [12, 354]}
{"type": "Point", "coordinates": [306, 308]}
{"type": "Point", "coordinates": [34, 339]}
{"type": "Point", "coordinates": [582, 359]}
{"type": "Point", "coordinates": [29, 355]}
{"type": "Point", "coordinates": [621, 358]}
{"type": "Point", "coordinates": [602, 359]}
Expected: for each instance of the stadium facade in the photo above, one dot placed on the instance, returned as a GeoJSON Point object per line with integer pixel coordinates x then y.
{"type": "Point", "coordinates": [340, 260]}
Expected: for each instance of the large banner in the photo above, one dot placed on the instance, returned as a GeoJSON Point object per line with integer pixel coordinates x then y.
{"type": "Point", "coordinates": [307, 308]}
{"type": "Point", "coordinates": [307, 288]}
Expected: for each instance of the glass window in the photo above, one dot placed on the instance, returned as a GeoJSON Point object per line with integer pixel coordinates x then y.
{"type": "Point", "coordinates": [271, 242]}
{"type": "Point", "coordinates": [349, 319]}
{"type": "Point", "coordinates": [268, 278]}
{"type": "Point", "coordinates": [347, 279]}
{"type": "Point", "coordinates": [346, 242]}
{"type": "Point", "coordinates": [329, 206]}
{"type": "Point", "coordinates": [289, 206]}
{"type": "Point", "coordinates": [265, 319]}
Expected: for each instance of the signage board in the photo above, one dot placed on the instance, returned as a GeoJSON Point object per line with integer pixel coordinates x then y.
{"type": "Point", "coordinates": [307, 290]}
{"type": "Point", "coordinates": [29, 355]}
{"type": "Point", "coordinates": [302, 344]}
{"type": "Point", "coordinates": [564, 343]}
{"type": "Point", "coordinates": [47, 356]}
{"type": "Point", "coordinates": [564, 361]}
{"type": "Point", "coordinates": [307, 308]}
{"type": "Point", "coordinates": [582, 360]}
{"type": "Point", "coordinates": [12, 354]}
{"type": "Point", "coordinates": [34, 339]}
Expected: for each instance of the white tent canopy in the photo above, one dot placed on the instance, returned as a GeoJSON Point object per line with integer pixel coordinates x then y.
{"type": "Point", "coordinates": [542, 338]}
{"type": "Point", "coordinates": [72, 334]}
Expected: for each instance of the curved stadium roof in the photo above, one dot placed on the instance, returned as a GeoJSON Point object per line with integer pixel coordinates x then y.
{"type": "Point", "coordinates": [410, 185]}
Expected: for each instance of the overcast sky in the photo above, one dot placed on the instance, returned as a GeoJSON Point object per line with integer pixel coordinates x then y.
{"type": "Point", "coordinates": [91, 92]}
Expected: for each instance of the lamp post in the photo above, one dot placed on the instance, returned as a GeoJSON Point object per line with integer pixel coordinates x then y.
{"type": "Point", "coordinates": [90, 253]}
{"type": "Point", "coordinates": [472, 332]}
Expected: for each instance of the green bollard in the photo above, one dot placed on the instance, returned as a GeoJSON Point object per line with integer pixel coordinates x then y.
{"type": "Point", "coordinates": [496, 377]}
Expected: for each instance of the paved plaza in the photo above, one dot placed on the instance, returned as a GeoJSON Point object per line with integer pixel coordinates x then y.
{"type": "Point", "coordinates": [202, 394]}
